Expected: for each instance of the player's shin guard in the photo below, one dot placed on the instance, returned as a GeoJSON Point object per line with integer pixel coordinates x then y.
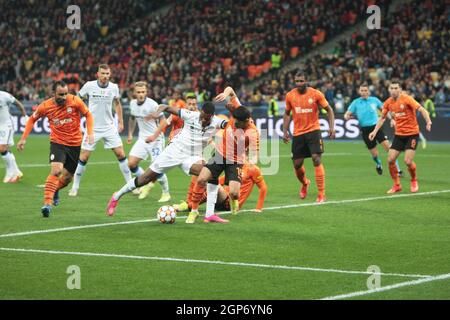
{"type": "Point", "coordinates": [128, 187]}
{"type": "Point", "coordinates": [62, 183]}
{"type": "Point", "coordinates": [320, 179]}
{"type": "Point", "coordinates": [81, 168]}
{"type": "Point", "coordinates": [123, 165]}
{"type": "Point", "coordinates": [212, 190]}
{"type": "Point", "coordinates": [164, 183]}
{"type": "Point", "coordinates": [412, 171]}
{"type": "Point", "coordinates": [51, 186]}
{"type": "Point", "coordinates": [301, 175]}
{"type": "Point", "coordinates": [197, 195]}
{"type": "Point", "coordinates": [394, 173]}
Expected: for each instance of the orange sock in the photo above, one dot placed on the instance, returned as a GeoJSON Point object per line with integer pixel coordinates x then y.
{"type": "Point", "coordinates": [320, 179]}
{"type": "Point", "coordinates": [301, 176]}
{"type": "Point", "coordinates": [412, 171]}
{"type": "Point", "coordinates": [191, 189]}
{"type": "Point", "coordinates": [62, 183]}
{"type": "Point", "coordinates": [197, 195]}
{"type": "Point", "coordinates": [394, 173]}
{"type": "Point", "coordinates": [51, 186]}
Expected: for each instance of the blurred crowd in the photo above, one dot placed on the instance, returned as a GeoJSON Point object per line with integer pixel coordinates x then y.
{"type": "Point", "coordinates": [413, 45]}
{"type": "Point", "coordinates": [197, 46]}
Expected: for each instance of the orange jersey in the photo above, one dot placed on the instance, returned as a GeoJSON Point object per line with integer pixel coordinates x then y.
{"type": "Point", "coordinates": [305, 109]}
{"type": "Point", "coordinates": [251, 175]}
{"type": "Point", "coordinates": [64, 120]}
{"type": "Point", "coordinates": [403, 111]}
{"type": "Point", "coordinates": [236, 144]}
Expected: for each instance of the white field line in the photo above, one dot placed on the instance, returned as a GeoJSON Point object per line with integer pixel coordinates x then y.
{"type": "Point", "coordinates": [27, 233]}
{"type": "Point", "coordinates": [387, 288]}
{"type": "Point", "coordinates": [263, 157]}
{"type": "Point", "coordinates": [217, 262]}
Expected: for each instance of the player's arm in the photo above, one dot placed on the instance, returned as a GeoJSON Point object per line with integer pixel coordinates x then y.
{"type": "Point", "coordinates": [84, 110]}
{"type": "Point", "coordinates": [161, 127]}
{"type": "Point", "coordinates": [164, 108]}
{"type": "Point", "coordinates": [380, 123]}
{"type": "Point", "coordinates": [228, 93]}
{"type": "Point", "coordinates": [21, 107]}
{"type": "Point", "coordinates": [131, 128]}
{"type": "Point", "coordinates": [286, 122]}
{"type": "Point", "coordinates": [349, 113]}
{"type": "Point", "coordinates": [330, 115]}
{"type": "Point", "coordinates": [119, 112]}
{"type": "Point", "coordinates": [426, 116]}
{"type": "Point", "coordinates": [40, 112]}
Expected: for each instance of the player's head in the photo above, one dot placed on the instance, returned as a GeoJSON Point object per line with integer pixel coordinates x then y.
{"type": "Point", "coordinates": [191, 102]}
{"type": "Point", "coordinates": [242, 117]}
{"type": "Point", "coordinates": [103, 73]}
{"type": "Point", "coordinates": [395, 88]}
{"type": "Point", "coordinates": [364, 90]}
{"type": "Point", "coordinates": [300, 80]}
{"type": "Point", "coordinates": [207, 112]}
{"type": "Point", "coordinates": [140, 91]}
{"type": "Point", "coordinates": [60, 91]}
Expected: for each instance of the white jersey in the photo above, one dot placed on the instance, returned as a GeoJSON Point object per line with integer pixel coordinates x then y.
{"type": "Point", "coordinates": [100, 102]}
{"type": "Point", "coordinates": [146, 127]}
{"type": "Point", "coordinates": [193, 138]}
{"type": "Point", "coordinates": [6, 100]}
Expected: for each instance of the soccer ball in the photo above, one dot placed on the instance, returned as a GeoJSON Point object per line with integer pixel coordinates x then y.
{"type": "Point", "coordinates": [166, 214]}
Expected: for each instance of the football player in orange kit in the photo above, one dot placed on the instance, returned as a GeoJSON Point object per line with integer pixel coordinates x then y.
{"type": "Point", "coordinates": [64, 113]}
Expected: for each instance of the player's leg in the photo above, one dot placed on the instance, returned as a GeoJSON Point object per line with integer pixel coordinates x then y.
{"type": "Point", "coordinates": [185, 205]}
{"type": "Point", "coordinates": [372, 146]}
{"type": "Point", "coordinates": [410, 153]}
{"type": "Point", "coordinates": [385, 144]}
{"type": "Point", "coordinates": [123, 163]}
{"type": "Point", "coordinates": [374, 153]}
{"type": "Point", "coordinates": [298, 150]}
{"type": "Point", "coordinates": [423, 140]}
{"type": "Point", "coordinates": [72, 154]}
{"type": "Point", "coordinates": [133, 165]}
{"type": "Point", "coordinates": [156, 150]}
{"type": "Point", "coordinates": [204, 175]}
{"type": "Point", "coordinates": [13, 174]}
{"type": "Point", "coordinates": [394, 152]}
{"type": "Point", "coordinates": [315, 146]}
{"type": "Point", "coordinates": [80, 170]}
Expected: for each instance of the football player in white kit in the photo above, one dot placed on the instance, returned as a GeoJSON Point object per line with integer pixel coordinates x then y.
{"type": "Point", "coordinates": [13, 174]}
{"type": "Point", "coordinates": [102, 94]}
{"type": "Point", "coordinates": [184, 151]}
{"type": "Point", "coordinates": [151, 139]}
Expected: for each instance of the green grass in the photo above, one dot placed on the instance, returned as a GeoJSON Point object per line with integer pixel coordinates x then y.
{"type": "Point", "coordinates": [406, 235]}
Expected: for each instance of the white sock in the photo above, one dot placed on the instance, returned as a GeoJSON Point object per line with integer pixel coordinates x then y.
{"type": "Point", "coordinates": [164, 183]}
{"type": "Point", "coordinates": [7, 162]}
{"type": "Point", "coordinates": [212, 190]}
{"type": "Point", "coordinates": [12, 162]}
{"type": "Point", "coordinates": [81, 168]}
{"type": "Point", "coordinates": [123, 165]}
{"type": "Point", "coordinates": [128, 187]}
{"type": "Point", "coordinates": [139, 171]}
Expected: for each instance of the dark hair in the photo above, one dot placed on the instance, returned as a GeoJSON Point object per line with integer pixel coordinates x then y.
{"type": "Point", "coordinates": [396, 81]}
{"type": "Point", "coordinates": [364, 84]}
{"type": "Point", "coordinates": [57, 84]}
{"type": "Point", "coordinates": [241, 113]}
{"type": "Point", "coordinates": [300, 73]}
{"type": "Point", "coordinates": [191, 96]}
{"type": "Point", "coordinates": [208, 108]}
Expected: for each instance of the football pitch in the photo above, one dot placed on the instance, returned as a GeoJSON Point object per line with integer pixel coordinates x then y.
{"type": "Point", "coordinates": [295, 249]}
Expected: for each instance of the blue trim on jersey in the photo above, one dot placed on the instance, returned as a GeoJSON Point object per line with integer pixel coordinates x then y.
{"type": "Point", "coordinates": [103, 87]}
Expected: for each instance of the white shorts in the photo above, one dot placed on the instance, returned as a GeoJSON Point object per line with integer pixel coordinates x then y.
{"type": "Point", "coordinates": [111, 139]}
{"type": "Point", "coordinates": [6, 135]}
{"type": "Point", "coordinates": [143, 150]}
{"type": "Point", "coordinates": [172, 157]}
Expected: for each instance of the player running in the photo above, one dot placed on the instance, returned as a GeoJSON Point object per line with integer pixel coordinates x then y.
{"type": "Point", "coordinates": [151, 139]}
{"type": "Point", "coordinates": [403, 108]}
{"type": "Point", "coordinates": [185, 150]}
{"type": "Point", "coordinates": [304, 103]}
{"type": "Point", "coordinates": [13, 174]}
{"type": "Point", "coordinates": [364, 109]}
{"type": "Point", "coordinates": [64, 113]}
{"type": "Point", "coordinates": [102, 94]}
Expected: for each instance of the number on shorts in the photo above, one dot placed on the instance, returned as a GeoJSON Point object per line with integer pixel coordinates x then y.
{"type": "Point", "coordinates": [155, 152]}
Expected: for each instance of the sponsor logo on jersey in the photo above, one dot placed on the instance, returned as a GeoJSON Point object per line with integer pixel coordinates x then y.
{"type": "Point", "coordinates": [310, 101]}
{"type": "Point", "coordinates": [300, 110]}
